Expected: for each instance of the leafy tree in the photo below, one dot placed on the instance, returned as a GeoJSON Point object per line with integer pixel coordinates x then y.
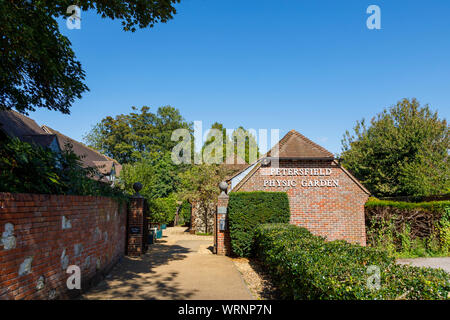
{"type": "Point", "coordinates": [200, 186]}
{"type": "Point", "coordinates": [38, 67]}
{"type": "Point", "coordinates": [404, 151]}
{"type": "Point", "coordinates": [157, 173]}
{"type": "Point", "coordinates": [128, 137]}
{"type": "Point", "coordinates": [245, 145]}
{"type": "Point", "coordinates": [242, 142]}
{"type": "Point", "coordinates": [210, 139]}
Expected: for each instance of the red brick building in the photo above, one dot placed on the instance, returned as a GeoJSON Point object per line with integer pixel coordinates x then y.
{"type": "Point", "coordinates": [323, 196]}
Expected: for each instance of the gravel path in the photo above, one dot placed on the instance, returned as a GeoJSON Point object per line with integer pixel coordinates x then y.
{"type": "Point", "coordinates": [257, 279]}
{"type": "Point", "coordinates": [442, 263]}
{"type": "Point", "coordinates": [179, 266]}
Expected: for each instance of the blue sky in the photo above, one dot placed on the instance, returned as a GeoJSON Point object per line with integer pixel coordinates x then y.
{"type": "Point", "coordinates": [312, 66]}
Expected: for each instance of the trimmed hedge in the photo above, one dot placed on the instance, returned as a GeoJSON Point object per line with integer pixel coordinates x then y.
{"type": "Point", "coordinates": [436, 206]}
{"type": "Point", "coordinates": [305, 266]}
{"type": "Point", "coordinates": [248, 210]}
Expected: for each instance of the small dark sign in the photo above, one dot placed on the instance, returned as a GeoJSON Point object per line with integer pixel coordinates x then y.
{"type": "Point", "coordinates": [222, 225]}
{"type": "Point", "coordinates": [135, 230]}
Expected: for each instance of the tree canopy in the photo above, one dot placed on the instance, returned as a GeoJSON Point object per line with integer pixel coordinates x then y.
{"type": "Point", "coordinates": [200, 186]}
{"type": "Point", "coordinates": [129, 138]}
{"type": "Point", "coordinates": [157, 173]}
{"type": "Point", "coordinates": [243, 143]}
{"type": "Point", "coordinates": [38, 68]}
{"type": "Point", "coordinates": [404, 151]}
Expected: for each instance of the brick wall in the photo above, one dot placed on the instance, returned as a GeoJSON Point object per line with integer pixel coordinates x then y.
{"type": "Point", "coordinates": [334, 211]}
{"type": "Point", "coordinates": [43, 234]}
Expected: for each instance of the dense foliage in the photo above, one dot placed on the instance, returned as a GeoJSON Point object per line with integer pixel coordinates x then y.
{"type": "Point", "coordinates": [184, 215]}
{"type": "Point", "coordinates": [248, 210]}
{"type": "Point", "coordinates": [308, 267]}
{"type": "Point", "coordinates": [404, 151]}
{"type": "Point", "coordinates": [157, 173]}
{"type": "Point", "coordinates": [162, 210]}
{"type": "Point", "coordinates": [38, 67]}
{"type": "Point", "coordinates": [200, 186]}
{"type": "Point", "coordinates": [129, 138]}
{"type": "Point", "coordinates": [28, 168]}
{"type": "Point", "coordinates": [240, 142]}
{"type": "Point", "coordinates": [409, 229]}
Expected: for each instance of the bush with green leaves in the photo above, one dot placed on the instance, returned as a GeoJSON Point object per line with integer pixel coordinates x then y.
{"type": "Point", "coordinates": [29, 168]}
{"type": "Point", "coordinates": [305, 266]}
{"type": "Point", "coordinates": [162, 210]}
{"type": "Point", "coordinates": [184, 214]}
{"type": "Point", "coordinates": [247, 210]}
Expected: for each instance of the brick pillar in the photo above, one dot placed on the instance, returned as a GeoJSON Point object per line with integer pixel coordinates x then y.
{"type": "Point", "coordinates": [222, 242]}
{"type": "Point", "coordinates": [135, 224]}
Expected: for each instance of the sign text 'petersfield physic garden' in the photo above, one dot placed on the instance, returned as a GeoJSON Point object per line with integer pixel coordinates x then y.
{"type": "Point", "coordinates": [305, 172]}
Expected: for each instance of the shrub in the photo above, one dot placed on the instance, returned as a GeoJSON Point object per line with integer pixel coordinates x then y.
{"type": "Point", "coordinates": [184, 215]}
{"type": "Point", "coordinates": [162, 210]}
{"type": "Point", "coordinates": [29, 168]}
{"type": "Point", "coordinates": [247, 210]}
{"type": "Point", "coordinates": [305, 266]}
{"type": "Point", "coordinates": [408, 229]}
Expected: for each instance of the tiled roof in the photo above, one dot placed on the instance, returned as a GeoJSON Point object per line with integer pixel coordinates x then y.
{"type": "Point", "coordinates": [296, 145]}
{"type": "Point", "coordinates": [89, 156]}
{"type": "Point", "coordinates": [18, 125]}
{"type": "Point", "coordinates": [44, 140]}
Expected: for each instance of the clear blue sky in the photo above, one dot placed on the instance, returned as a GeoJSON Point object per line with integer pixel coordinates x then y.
{"type": "Point", "coordinates": [309, 65]}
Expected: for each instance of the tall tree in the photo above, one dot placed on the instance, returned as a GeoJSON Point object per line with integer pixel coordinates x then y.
{"type": "Point", "coordinates": [243, 143]}
{"type": "Point", "coordinates": [157, 173]}
{"type": "Point", "coordinates": [404, 151]}
{"type": "Point", "coordinates": [38, 67]}
{"type": "Point", "coordinates": [210, 139]}
{"type": "Point", "coordinates": [200, 186]}
{"type": "Point", "coordinates": [129, 137]}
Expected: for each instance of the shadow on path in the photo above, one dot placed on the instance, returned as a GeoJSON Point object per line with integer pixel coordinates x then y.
{"type": "Point", "coordinates": [179, 266]}
{"type": "Point", "coordinates": [140, 278]}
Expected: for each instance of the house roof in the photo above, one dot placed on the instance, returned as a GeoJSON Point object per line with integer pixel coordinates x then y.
{"type": "Point", "coordinates": [293, 146]}
{"type": "Point", "coordinates": [296, 146]}
{"type": "Point", "coordinates": [89, 156]}
{"type": "Point", "coordinates": [17, 125]}
{"type": "Point", "coordinates": [44, 140]}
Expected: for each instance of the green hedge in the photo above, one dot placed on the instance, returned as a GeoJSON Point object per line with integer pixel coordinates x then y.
{"type": "Point", "coordinates": [162, 210]}
{"type": "Point", "coordinates": [308, 267]}
{"type": "Point", "coordinates": [437, 206]}
{"type": "Point", "coordinates": [247, 210]}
